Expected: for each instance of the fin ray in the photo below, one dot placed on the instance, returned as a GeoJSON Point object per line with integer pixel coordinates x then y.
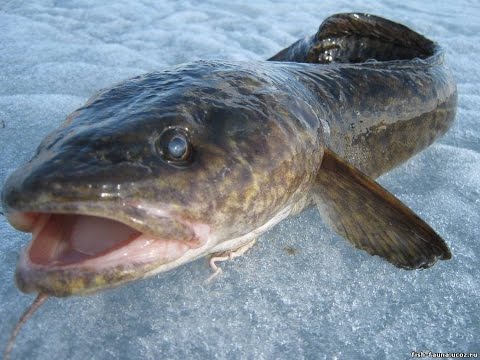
{"type": "Point", "coordinates": [372, 219]}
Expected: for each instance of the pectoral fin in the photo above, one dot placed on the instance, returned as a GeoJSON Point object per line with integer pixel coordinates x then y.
{"type": "Point", "coordinates": [373, 219]}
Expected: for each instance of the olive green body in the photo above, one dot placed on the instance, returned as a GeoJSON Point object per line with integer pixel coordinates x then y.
{"type": "Point", "coordinates": [258, 130]}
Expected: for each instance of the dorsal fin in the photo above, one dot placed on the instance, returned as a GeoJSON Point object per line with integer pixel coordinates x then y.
{"type": "Point", "coordinates": [356, 38]}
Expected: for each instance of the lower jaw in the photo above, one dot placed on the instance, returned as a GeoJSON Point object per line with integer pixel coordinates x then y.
{"type": "Point", "coordinates": [84, 280]}
{"type": "Point", "coordinates": [61, 282]}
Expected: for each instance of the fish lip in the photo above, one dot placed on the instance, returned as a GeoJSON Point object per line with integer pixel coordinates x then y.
{"type": "Point", "coordinates": [21, 221]}
{"type": "Point", "coordinates": [61, 281]}
{"type": "Point", "coordinates": [121, 211]}
{"type": "Point", "coordinates": [57, 281]}
{"type": "Point", "coordinates": [85, 277]}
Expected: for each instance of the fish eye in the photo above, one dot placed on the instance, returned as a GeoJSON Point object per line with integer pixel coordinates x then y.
{"type": "Point", "coordinates": [174, 146]}
{"type": "Point", "coordinates": [177, 147]}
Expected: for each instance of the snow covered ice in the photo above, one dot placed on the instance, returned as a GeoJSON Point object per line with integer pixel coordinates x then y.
{"type": "Point", "coordinates": [324, 299]}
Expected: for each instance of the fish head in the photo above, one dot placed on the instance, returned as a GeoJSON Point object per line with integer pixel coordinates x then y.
{"type": "Point", "coordinates": [157, 171]}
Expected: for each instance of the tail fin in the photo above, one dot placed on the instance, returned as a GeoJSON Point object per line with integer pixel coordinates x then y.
{"type": "Point", "coordinates": [356, 38]}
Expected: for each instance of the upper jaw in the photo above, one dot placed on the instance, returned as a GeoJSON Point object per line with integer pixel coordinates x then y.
{"type": "Point", "coordinates": [161, 223]}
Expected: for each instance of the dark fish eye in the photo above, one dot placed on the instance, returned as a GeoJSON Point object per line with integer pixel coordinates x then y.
{"type": "Point", "coordinates": [174, 147]}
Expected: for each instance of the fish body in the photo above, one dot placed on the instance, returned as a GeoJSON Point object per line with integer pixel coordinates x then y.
{"type": "Point", "coordinates": [385, 92]}
{"type": "Point", "coordinates": [171, 166]}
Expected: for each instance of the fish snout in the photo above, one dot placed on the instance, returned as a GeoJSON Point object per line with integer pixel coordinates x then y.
{"type": "Point", "coordinates": [44, 183]}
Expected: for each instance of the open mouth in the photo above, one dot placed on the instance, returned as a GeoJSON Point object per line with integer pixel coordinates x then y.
{"type": "Point", "coordinates": [67, 240]}
{"type": "Point", "coordinates": [76, 254]}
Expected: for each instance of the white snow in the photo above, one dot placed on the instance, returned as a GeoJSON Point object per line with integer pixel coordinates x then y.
{"type": "Point", "coordinates": [327, 300]}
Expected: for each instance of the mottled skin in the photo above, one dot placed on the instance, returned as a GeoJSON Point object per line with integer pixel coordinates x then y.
{"type": "Point", "coordinates": [386, 93]}
{"type": "Point", "coordinates": [257, 151]}
{"type": "Point", "coordinates": [258, 131]}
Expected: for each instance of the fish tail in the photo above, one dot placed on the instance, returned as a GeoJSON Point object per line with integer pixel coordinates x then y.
{"type": "Point", "coordinates": [355, 38]}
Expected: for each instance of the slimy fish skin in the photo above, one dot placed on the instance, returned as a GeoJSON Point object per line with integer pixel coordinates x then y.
{"type": "Point", "coordinates": [170, 166]}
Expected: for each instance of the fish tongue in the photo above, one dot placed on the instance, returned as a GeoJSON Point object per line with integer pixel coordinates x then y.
{"type": "Point", "coordinates": [93, 235]}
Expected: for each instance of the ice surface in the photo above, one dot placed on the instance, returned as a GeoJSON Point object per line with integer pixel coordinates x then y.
{"type": "Point", "coordinates": [326, 300]}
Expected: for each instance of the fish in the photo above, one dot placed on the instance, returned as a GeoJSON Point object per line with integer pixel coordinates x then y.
{"type": "Point", "coordinates": [201, 159]}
